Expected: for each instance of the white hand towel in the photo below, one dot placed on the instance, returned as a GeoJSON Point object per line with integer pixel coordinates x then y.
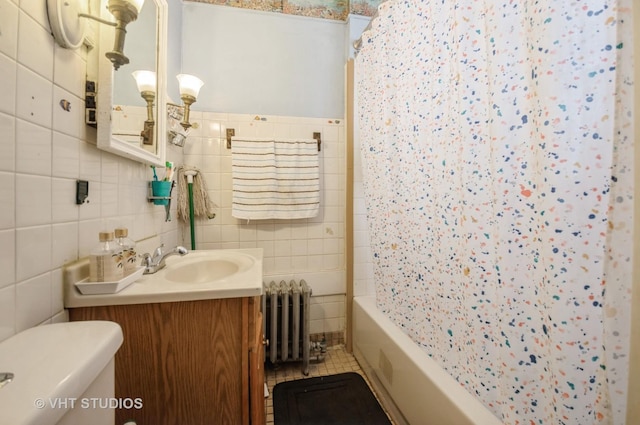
{"type": "Point", "coordinates": [275, 178]}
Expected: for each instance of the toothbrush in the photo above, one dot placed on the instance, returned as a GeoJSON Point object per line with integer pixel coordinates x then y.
{"type": "Point", "coordinates": [155, 176]}
{"type": "Point", "coordinates": [169, 172]}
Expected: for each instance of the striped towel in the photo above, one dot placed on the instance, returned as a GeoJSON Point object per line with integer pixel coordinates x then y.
{"type": "Point", "coordinates": [275, 178]}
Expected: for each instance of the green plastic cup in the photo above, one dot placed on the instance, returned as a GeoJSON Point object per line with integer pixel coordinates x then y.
{"type": "Point", "coordinates": [161, 189]}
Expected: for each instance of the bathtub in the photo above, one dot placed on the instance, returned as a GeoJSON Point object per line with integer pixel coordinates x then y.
{"type": "Point", "coordinates": [413, 388]}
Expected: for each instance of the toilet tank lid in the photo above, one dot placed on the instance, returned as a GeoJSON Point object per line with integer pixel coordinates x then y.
{"type": "Point", "coordinates": [50, 363]}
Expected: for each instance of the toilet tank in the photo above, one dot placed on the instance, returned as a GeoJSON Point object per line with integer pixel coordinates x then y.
{"type": "Point", "coordinates": [63, 374]}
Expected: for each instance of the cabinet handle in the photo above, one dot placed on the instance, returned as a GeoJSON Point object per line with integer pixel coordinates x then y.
{"type": "Point", "coordinates": [265, 341]}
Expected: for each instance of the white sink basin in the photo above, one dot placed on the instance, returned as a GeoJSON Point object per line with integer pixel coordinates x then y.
{"type": "Point", "coordinates": [202, 271]}
{"type": "Point", "coordinates": [205, 266]}
{"type": "Point", "coordinates": [199, 275]}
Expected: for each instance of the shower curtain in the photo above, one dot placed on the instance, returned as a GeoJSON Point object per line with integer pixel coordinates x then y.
{"type": "Point", "coordinates": [497, 155]}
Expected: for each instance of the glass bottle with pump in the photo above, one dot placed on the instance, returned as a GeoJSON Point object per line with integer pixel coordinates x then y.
{"type": "Point", "coordinates": [105, 261]}
{"type": "Point", "coordinates": [129, 254]}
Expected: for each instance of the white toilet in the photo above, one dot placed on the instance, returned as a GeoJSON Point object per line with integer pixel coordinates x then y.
{"type": "Point", "coordinates": [60, 374]}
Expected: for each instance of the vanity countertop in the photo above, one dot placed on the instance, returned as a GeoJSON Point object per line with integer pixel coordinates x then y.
{"type": "Point", "coordinates": [236, 273]}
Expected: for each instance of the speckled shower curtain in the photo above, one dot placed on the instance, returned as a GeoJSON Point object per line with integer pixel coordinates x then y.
{"type": "Point", "coordinates": [497, 157]}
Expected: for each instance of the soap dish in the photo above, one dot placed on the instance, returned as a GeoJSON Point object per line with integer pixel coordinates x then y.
{"type": "Point", "coordinates": [97, 288]}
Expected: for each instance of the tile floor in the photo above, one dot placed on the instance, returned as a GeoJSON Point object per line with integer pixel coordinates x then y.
{"type": "Point", "coordinates": [336, 360]}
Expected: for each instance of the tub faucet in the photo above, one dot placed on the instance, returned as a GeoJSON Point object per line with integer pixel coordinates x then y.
{"type": "Point", "coordinates": [155, 262]}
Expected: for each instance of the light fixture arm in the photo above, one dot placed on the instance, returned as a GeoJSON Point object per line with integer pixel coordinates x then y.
{"type": "Point", "coordinates": [68, 28]}
{"type": "Point", "coordinates": [95, 18]}
{"type": "Point", "coordinates": [116, 56]}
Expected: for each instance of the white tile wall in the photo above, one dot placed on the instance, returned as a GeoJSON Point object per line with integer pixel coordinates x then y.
{"type": "Point", "coordinates": [8, 72]}
{"type": "Point", "coordinates": [33, 301]}
{"type": "Point", "coordinates": [7, 142]}
{"type": "Point", "coordinates": [9, 25]}
{"type": "Point", "coordinates": [7, 193]}
{"type": "Point", "coordinates": [33, 200]}
{"type": "Point", "coordinates": [36, 10]}
{"type": "Point", "coordinates": [7, 311]}
{"type": "Point", "coordinates": [30, 34]}
{"type": "Point", "coordinates": [33, 251]}
{"type": "Point", "coordinates": [327, 314]}
{"type": "Point", "coordinates": [43, 150]}
{"type": "Point", "coordinates": [34, 97]}
{"type": "Point", "coordinates": [8, 259]}
{"type": "Point", "coordinates": [310, 249]}
{"type": "Point", "coordinates": [33, 148]}
{"type": "Point", "coordinates": [66, 151]}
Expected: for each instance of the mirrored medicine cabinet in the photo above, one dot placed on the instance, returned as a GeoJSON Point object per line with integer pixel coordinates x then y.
{"type": "Point", "coordinates": [130, 123]}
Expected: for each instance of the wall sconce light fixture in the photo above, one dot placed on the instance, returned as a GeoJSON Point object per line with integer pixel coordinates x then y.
{"type": "Point", "coordinates": [189, 89]}
{"type": "Point", "coordinates": [68, 30]}
{"type": "Point", "coordinates": [124, 11]}
{"type": "Point", "coordinates": [146, 81]}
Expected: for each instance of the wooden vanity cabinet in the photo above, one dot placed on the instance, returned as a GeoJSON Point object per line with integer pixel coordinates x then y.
{"type": "Point", "coordinates": [190, 362]}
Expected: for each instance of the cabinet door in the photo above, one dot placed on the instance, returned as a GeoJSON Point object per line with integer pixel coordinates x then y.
{"type": "Point", "coordinates": [186, 361]}
{"type": "Point", "coordinates": [256, 366]}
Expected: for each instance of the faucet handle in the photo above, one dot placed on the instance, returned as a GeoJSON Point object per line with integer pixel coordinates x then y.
{"type": "Point", "coordinates": [159, 251]}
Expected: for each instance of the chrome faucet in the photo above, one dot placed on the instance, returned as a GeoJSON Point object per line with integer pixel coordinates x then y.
{"type": "Point", "coordinates": [155, 262]}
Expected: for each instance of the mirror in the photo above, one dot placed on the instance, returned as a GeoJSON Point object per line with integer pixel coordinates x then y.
{"type": "Point", "coordinates": [128, 124]}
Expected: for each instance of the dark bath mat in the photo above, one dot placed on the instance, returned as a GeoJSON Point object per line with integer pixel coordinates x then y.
{"type": "Point", "coordinates": [343, 399]}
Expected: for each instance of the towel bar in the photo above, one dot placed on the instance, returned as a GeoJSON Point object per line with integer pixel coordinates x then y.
{"type": "Point", "coordinates": [318, 139]}
{"type": "Point", "coordinates": [232, 132]}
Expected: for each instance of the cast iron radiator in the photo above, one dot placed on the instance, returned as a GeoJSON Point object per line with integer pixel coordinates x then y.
{"type": "Point", "coordinates": [285, 321]}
